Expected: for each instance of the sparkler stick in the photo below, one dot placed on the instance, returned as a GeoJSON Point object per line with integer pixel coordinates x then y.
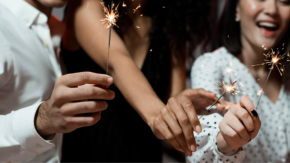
{"type": "Point", "coordinates": [226, 89]}
{"type": "Point", "coordinates": [109, 44]}
{"type": "Point", "coordinates": [111, 15]}
{"type": "Point", "coordinates": [262, 92]}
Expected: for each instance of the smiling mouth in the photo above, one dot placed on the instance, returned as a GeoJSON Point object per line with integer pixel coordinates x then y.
{"type": "Point", "coordinates": [268, 26]}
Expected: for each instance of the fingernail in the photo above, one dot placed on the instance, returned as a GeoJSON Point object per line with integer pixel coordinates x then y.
{"type": "Point", "coordinates": [198, 129]}
{"type": "Point", "coordinates": [110, 80]}
{"type": "Point", "coordinates": [192, 148]}
{"type": "Point", "coordinates": [255, 114]}
{"type": "Point", "coordinates": [250, 140]}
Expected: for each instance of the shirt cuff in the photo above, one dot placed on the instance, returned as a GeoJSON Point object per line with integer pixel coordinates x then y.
{"type": "Point", "coordinates": [233, 156]}
{"type": "Point", "coordinates": [25, 132]}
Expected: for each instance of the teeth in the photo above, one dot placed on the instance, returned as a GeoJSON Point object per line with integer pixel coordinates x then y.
{"type": "Point", "coordinates": [267, 24]}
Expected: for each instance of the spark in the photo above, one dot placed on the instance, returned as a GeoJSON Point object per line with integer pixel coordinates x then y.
{"type": "Point", "coordinates": [228, 70]}
{"type": "Point", "coordinates": [134, 10]}
{"type": "Point", "coordinates": [124, 5]}
{"type": "Point", "coordinates": [260, 92]}
{"type": "Point", "coordinates": [111, 16]}
{"type": "Point", "coordinates": [225, 89]}
{"type": "Point", "coordinates": [273, 60]}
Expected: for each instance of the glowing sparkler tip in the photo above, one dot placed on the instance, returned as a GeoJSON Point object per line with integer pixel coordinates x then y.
{"type": "Point", "coordinates": [111, 15]}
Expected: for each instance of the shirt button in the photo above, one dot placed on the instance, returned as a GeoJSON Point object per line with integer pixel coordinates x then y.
{"type": "Point", "coordinates": [39, 145]}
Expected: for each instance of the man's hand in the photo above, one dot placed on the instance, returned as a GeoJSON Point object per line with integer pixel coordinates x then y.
{"type": "Point", "coordinates": [177, 121]}
{"type": "Point", "coordinates": [70, 100]}
{"type": "Point", "coordinates": [240, 125]}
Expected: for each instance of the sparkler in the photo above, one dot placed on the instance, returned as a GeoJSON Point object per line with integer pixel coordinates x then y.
{"type": "Point", "coordinates": [111, 15]}
{"type": "Point", "coordinates": [226, 89]}
{"type": "Point", "coordinates": [134, 10]}
{"type": "Point", "coordinates": [272, 60]}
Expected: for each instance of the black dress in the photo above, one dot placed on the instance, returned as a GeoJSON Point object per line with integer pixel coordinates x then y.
{"type": "Point", "coordinates": [121, 135]}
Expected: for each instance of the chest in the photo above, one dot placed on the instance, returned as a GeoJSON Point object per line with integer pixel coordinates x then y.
{"type": "Point", "coordinates": [33, 72]}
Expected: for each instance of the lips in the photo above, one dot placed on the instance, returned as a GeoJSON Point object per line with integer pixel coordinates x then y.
{"type": "Point", "coordinates": [268, 28]}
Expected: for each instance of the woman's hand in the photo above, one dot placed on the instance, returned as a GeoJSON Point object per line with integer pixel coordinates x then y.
{"type": "Point", "coordinates": [178, 119]}
{"type": "Point", "coordinates": [240, 125]}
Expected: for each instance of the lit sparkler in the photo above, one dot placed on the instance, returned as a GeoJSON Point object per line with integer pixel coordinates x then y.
{"type": "Point", "coordinates": [134, 10]}
{"type": "Point", "coordinates": [111, 15]}
{"type": "Point", "coordinates": [124, 5]}
{"type": "Point", "coordinates": [273, 60]}
{"type": "Point", "coordinates": [225, 89]}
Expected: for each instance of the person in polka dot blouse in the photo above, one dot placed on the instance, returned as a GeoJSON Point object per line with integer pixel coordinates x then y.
{"type": "Point", "coordinates": [243, 133]}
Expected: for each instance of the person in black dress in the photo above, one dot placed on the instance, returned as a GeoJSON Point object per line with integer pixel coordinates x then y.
{"type": "Point", "coordinates": [147, 64]}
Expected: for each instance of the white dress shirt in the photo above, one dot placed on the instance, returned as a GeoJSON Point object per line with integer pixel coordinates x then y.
{"type": "Point", "coordinates": [28, 70]}
{"type": "Point", "coordinates": [272, 144]}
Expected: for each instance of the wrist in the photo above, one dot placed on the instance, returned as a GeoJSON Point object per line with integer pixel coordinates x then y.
{"type": "Point", "coordinates": [42, 124]}
{"type": "Point", "coordinates": [222, 145]}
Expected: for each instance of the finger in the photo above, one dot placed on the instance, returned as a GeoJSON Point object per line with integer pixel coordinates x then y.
{"type": "Point", "coordinates": [77, 79]}
{"type": "Point", "coordinates": [178, 110]}
{"type": "Point", "coordinates": [162, 128]}
{"type": "Point", "coordinates": [229, 133]}
{"type": "Point", "coordinates": [237, 126]}
{"type": "Point", "coordinates": [85, 93]}
{"type": "Point", "coordinates": [84, 121]}
{"type": "Point", "coordinates": [245, 102]}
{"type": "Point", "coordinates": [208, 94]}
{"type": "Point", "coordinates": [83, 107]}
{"type": "Point", "coordinates": [245, 117]}
{"type": "Point", "coordinates": [188, 108]}
{"type": "Point", "coordinates": [257, 124]}
{"type": "Point", "coordinates": [171, 121]}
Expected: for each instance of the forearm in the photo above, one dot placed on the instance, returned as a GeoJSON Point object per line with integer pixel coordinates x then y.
{"type": "Point", "coordinates": [135, 88]}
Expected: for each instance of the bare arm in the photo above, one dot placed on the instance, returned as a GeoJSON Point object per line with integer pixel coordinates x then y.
{"type": "Point", "coordinates": [93, 37]}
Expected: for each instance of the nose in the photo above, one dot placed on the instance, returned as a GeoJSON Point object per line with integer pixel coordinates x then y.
{"type": "Point", "coordinates": [270, 7]}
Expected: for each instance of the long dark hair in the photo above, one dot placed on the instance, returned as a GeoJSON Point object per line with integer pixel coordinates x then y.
{"type": "Point", "coordinates": [174, 23]}
{"type": "Point", "coordinates": [229, 31]}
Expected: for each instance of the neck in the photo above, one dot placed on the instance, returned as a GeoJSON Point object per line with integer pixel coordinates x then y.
{"type": "Point", "coordinates": [251, 54]}
{"type": "Point", "coordinates": [46, 10]}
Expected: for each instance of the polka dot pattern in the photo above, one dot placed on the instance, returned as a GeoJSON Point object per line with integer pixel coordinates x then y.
{"type": "Point", "coordinates": [272, 142]}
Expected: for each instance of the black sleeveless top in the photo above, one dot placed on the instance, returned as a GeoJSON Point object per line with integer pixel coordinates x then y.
{"type": "Point", "coordinates": [121, 135]}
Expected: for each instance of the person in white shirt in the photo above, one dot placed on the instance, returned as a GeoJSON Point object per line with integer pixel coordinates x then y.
{"type": "Point", "coordinates": [36, 102]}
{"type": "Point", "coordinates": [248, 29]}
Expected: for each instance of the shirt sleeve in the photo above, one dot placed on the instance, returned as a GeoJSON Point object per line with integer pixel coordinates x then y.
{"type": "Point", "coordinates": [19, 140]}
{"type": "Point", "coordinates": [205, 74]}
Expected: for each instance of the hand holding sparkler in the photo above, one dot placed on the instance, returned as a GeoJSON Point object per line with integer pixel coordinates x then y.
{"type": "Point", "coordinates": [178, 119]}
{"type": "Point", "coordinates": [239, 126]}
{"type": "Point", "coordinates": [111, 15]}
